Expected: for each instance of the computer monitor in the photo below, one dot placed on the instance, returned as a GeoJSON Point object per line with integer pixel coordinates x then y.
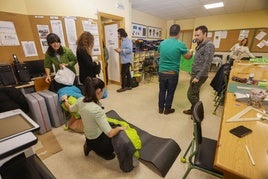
{"type": "Point", "coordinates": [36, 68]}
{"type": "Point", "coordinates": [14, 123]}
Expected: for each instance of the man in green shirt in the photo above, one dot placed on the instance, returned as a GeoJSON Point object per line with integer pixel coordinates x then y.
{"type": "Point", "coordinates": [170, 51]}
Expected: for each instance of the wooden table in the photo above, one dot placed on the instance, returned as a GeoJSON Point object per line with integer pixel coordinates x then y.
{"type": "Point", "coordinates": [231, 155]}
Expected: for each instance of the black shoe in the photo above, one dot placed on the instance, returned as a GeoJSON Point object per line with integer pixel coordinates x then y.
{"type": "Point", "coordinates": [107, 157]}
{"type": "Point", "coordinates": [86, 149]}
{"type": "Point", "coordinates": [128, 88]}
{"type": "Point", "coordinates": [169, 111]}
{"type": "Point", "coordinates": [161, 111]}
{"type": "Point", "coordinates": [188, 112]}
{"type": "Point", "coordinates": [121, 90]}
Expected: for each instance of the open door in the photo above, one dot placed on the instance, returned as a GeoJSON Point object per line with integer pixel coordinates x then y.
{"type": "Point", "coordinates": [108, 25]}
{"type": "Point", "coordinates": [111, 42]}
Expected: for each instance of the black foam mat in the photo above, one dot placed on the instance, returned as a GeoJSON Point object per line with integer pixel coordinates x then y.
{"type": "Point", "coordinates": [161, 152]}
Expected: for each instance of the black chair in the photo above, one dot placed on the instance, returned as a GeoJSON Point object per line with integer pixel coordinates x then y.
{"type": "Point", "coordinates": [220, 83]}
{"type": "Point", "coordinates": [202, 149]}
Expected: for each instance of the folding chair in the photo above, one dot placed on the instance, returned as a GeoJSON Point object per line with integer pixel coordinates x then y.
{"type": "Point", "coordinates": [202, 149]}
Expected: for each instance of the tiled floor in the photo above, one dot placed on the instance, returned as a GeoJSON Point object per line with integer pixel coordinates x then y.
{"type": "Point", "coordinates": [139, 107]}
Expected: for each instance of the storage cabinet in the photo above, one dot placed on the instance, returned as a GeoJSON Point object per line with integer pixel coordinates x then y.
{"type": "Point", "coordinates": [138, 65]}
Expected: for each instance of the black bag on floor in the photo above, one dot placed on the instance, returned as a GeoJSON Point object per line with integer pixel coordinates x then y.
{"type": "Point", "coordinates": [134, 82]}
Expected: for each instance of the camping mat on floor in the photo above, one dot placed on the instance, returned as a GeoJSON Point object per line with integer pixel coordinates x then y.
{"type": "Point", "coordinates": [47, 145]}
{"type": "Point", "coordinates": [161, 152]}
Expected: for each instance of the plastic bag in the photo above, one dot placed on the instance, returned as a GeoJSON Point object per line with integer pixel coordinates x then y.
{"type": "Point", "coordinates": [65, 76]}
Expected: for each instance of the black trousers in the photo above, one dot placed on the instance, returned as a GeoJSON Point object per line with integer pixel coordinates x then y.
{"type": "Point", "coordinates": [102, 145]}
{"type": "Point", "coordinates": [125, 75]}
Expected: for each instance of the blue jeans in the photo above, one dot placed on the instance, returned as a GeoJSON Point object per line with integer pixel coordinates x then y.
{"type": "Point", "coordinates": [167, 86]}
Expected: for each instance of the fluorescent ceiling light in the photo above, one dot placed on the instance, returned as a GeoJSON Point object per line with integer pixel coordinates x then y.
{"type": "Point", "coordinates": [214, 5]}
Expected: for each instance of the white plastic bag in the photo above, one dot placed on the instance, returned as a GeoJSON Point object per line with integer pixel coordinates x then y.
{"type": "Point", "coordinates": [65, 76]}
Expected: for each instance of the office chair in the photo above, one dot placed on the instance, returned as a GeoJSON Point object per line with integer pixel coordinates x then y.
{"type": "Point", "coordinates": [202, 149]}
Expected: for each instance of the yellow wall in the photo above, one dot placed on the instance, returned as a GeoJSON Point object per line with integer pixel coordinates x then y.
{"type": "Point", "coordinates": [235, 21]}
{"type": "Point", "coordinates": [82, 8]}
{"type": "Point", "coordinates": [13, 6]}
{"type": "Point", "coordinates": [254, 19]}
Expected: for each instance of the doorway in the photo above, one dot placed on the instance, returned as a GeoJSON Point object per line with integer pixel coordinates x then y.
{"type": "Point", "coordinates": [108, 34]}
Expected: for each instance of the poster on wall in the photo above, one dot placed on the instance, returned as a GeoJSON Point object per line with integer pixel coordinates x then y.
{"type": "Point", "coordinates": [56, 26]}
{"type": "Point", "coordinates": [154, 32]}
{"type": "Point", "coordinates": [71, 33]}
{"type": "Point", "coordinates": [43, 31]}
{"type": "Point", "coordinates": [217, 39]}
{"type": "Point", "coordinates": [96, 48]}
{"type": "Point", "coordinates": [29, 48]}
{"type": "Point", "coordinates": [8, 35]}
{"type": "Point", "coordinates": [91, 27]}
{"type": "Point", "coordinates": [138, 30]}
{"type": "Point", "coordinates": [243, 34]}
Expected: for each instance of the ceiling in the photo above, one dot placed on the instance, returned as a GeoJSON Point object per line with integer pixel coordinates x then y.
{"type": "Point", "coordinates": [188, 9]}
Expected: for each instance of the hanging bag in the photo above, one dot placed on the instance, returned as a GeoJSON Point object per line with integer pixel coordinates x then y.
{"type": "Point", "coordinates": [65, 76]}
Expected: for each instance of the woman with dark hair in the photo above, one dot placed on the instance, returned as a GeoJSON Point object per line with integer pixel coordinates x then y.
{"type": "Point", "coordinates": [97, 130]}
{"type": "Point", "coordinates": [87, 67]}
{"type": "Point", "coordinates": [58, 55]}
{"type": "Point", "coordinates": [239, 49]}
{"type": "Point", "coordinates": [125, 53]}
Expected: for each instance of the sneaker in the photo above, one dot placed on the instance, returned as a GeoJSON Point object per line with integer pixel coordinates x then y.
{"type": "Point", "coordinates": [121, 90]}
{"type": "Point", "coordinates": [188, 112]}
{"type": "Point", "coordinates": [86, 149]}
{"type": "Point", "coordinates": [169, 111]}
{"type": "Point", "coordinates": [161, 111]}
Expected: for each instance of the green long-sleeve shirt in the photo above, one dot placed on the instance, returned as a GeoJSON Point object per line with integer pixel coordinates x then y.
{"type": "Point", "coordinates": [67, 57]}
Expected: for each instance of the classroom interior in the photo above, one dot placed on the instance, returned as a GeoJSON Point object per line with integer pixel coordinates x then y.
{"type": "Point", "coordinates": [139, 105]}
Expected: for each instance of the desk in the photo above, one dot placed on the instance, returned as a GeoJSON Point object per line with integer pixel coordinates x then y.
{"type": "Point", "coordinates": [231, 156]}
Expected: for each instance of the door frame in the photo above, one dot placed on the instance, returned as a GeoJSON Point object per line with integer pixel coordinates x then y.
{"type": "Point", "coordinates": [104, 18]}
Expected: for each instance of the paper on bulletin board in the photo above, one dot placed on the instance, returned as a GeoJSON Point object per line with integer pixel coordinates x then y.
{"type": "Point", "coordinates": [217, 39]}
{"type": "Point", "coordinates": [243, 34]}
{"type": "Point", "coordinates": [224, 34]}
{"type": "Point", "coordinates": [56, 26]}
{"type": "Point", "coordinates": [29, 48]}
{"type": "Point", "coordinates": [260, 35]}
{"type": "Point", "coordinates": [71, 33]}
{"type": "Point", "coordinates": [262, 43]}
{"type": "Point", "coordinates": [90, 27]}
{"type": "Point", "coordinates": [96, 48]}
{"type": "Point", "coordinates": [43, 31]}
{"type": "Point", "coordinates": [8, 35]}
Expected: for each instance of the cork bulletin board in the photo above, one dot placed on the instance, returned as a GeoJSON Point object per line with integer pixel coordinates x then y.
{"type": "Point", "coordinates": [24, 33]}
{"type": "Point", "coordinates": [254, 46]}
{"type": "Point", "coordinates": [26, 30]}
{"type": "Point", "coordinates": [232, 38]}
